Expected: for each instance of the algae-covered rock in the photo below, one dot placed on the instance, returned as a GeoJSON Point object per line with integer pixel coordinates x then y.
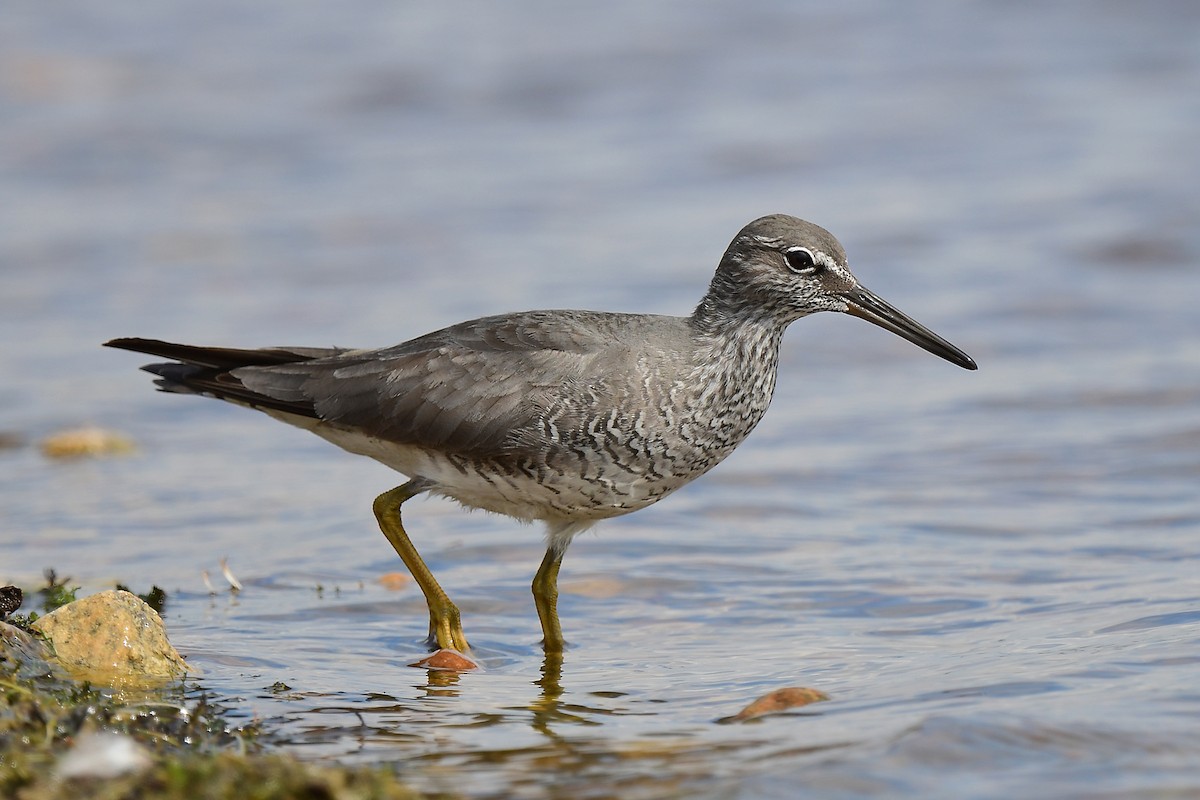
{"type": "Point", "coordinates": [112, 637]}
{"type": "Point", "coordinates": [22, 654]}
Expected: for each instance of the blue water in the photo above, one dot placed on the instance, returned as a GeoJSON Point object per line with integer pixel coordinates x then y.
{"type": "Point", "coordinates": [994, 575]}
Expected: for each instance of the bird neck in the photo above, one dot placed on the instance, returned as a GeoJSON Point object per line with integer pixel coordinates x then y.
{"type": "Point", "coordinates": [736, 364]}
{"type": "Point", "coordinates": [737, 334]}
{"type": "Point", "coordinates": [742, 348]}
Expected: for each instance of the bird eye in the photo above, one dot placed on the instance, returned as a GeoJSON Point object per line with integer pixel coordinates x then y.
{"type": "Point", "coordinates": [800, 260]}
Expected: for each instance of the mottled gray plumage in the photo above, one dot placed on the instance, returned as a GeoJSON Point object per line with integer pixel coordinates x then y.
{"type": "Point", "coordinates": [562, 416]}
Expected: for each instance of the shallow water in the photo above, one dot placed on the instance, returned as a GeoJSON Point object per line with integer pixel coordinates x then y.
{"type": "Point", "coordinates": [994, 575]}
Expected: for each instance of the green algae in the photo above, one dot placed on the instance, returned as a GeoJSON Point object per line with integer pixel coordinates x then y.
{"type": "Point", "coordinates": [189, 746]}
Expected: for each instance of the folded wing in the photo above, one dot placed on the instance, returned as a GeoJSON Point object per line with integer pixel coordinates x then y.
{"type": "Point", "coordinates": [476, 387]}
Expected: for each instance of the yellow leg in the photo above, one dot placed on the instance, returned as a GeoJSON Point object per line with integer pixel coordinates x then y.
{"type": "Point", "coordinates": [445, 623]}
{"type": "Point", "coordinates": [545, 596]}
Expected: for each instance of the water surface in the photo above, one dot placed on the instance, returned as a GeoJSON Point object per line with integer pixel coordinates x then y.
{"type": "Point", "coordinates": [994, 575]}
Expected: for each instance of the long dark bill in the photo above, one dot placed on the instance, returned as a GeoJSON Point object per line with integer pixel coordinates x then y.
{"type": "Point", "coordinates": [865, 304]}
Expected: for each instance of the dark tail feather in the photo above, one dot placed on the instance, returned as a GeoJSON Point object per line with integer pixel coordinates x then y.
{"type": "Point", "coordinates": [222, 357]}
{"type": "Point", "coordinates": [206, 370]}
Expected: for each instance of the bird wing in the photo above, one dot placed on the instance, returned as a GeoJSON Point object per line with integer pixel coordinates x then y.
{"type": "Point", "coordinates": [477, 387]}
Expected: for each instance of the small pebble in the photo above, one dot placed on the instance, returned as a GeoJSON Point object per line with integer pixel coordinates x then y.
{"type": "Point", "coordinates": [393, 581]}
{"type": "Point", "coordinates": [447, 660]}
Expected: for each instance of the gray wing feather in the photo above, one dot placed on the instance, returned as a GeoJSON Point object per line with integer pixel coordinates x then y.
{"type": "Point", "coordinates": [480, 386]}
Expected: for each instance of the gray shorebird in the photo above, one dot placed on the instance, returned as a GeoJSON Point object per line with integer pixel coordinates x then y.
{"type": "Point", "coordinates": [568, 417]}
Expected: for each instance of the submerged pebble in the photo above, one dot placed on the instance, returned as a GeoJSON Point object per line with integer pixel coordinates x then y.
{"type": "Point", "coordinates": [448, 660]}
{"type": "Point", "coordinates": [778, 700]}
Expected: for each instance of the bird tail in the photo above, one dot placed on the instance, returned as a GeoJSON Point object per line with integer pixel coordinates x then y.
{"type": "Point", "coordinates": [223, 358]}
{"type": "Point", "coordinates": [208, 370]}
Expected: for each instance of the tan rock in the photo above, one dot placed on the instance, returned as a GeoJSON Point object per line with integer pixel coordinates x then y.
{"type": "Point", "coordinates": [114, 638]}
{"type": "Point", "coordinates": [86, 442]}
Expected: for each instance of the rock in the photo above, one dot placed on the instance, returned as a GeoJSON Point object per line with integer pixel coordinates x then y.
{"type": "Point", "coordinates": [776, 701]}
{"type": "Point", "coordinates": [11, 598]}
{"type": "Point", "coordinates": [23, 653]}
{"type": "Point", "coordinates": [112, 637]}
{"type": "Point", "coordinates": [447, 660]}
{"type": "Point", "coordinates": [86, 441]}
{"type": "Point", "coordinates": [393, 581]}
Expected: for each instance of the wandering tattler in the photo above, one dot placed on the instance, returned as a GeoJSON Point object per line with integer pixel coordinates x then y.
{"type": "Point", "coordinates": [568, 417]}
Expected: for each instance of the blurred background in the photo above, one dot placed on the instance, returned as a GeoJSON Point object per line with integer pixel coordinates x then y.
{"type": "Point", "coordinates": [983, 569]}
